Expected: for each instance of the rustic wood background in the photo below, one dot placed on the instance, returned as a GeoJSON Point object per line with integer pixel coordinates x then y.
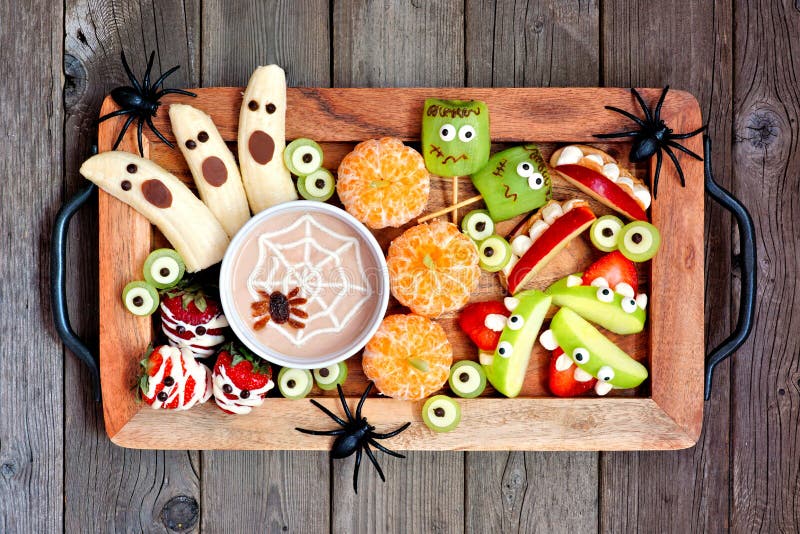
{"type": "Point", "coordinates": [58, 471]}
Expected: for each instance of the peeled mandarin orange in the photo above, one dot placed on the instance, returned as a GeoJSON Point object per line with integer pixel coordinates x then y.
{"type": "Point", "coordinates": [383, 183]}
{"type": "Point", "coordinates": [408, 358]}
{"type": "Point", "coordinates": [433, 268]}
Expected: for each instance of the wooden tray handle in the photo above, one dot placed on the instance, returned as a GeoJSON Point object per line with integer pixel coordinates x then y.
{"type": "Point", "coordinates": [747, 261]}
{"type": "Point", "coordinates": [58, 292]}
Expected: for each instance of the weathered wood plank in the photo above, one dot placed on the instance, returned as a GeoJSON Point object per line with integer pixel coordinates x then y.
{"type": "Point", "coordinates": [766, 177]}
{"type": "Point", "coordinates": [532, 43]}
{"type": "Point", "coordinates": [31, 431]}
{"type": "Point", "coordinates": [639, 43]}
{"type": "Point", "coordinates": [391, 43]}
{"type": "Point", "coordinates": [277, 491]}
{"type": "Point", "coordinates": [151, 490]}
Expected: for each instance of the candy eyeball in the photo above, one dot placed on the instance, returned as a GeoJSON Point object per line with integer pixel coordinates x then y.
{"type": "Point", "coordinates": [466, 133]}
{"type": "Point", "coordinates": [536, 181]}
{"type": "Point", "coordinates": [504, 349]}
{"type": "Point", "coordinates": [515, 322]}
{"type": "Point", "coordinates": [605, 294]}
{"type": "Point", "coordinates": [605, 373]}
{"type": "Point", "coordinates": [525, 169]}
{"type": "Point", "coordinates": [580, 355]}
{"type": "Point", "coordinates": [447, 132]}
{"type": "Point", "coordinates": [629, 305]}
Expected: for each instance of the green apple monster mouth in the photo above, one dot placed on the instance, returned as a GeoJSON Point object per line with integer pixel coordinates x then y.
{"type": "Point", "coordinates": [439, 154]}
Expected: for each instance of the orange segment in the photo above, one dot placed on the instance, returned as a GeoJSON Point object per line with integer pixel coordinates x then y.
{"type": "Point", "coordinates": [408, 358]}
{"type": "Point", "coordinates": [383, 183]}
{"type": "Point", "coordinates": [433, 268]}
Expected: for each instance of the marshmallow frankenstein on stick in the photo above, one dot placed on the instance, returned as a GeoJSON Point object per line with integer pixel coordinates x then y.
{"type": "Point", "coordinates": [212, 164]}
{"type": "Point", "coordinates": [165, 201]}
{"type": "Point", "coordinates": [513, 182]}
{"type": "Point", "coordinates": [455, 139]}
{"type": "Point", "coordinates": [262, 138]}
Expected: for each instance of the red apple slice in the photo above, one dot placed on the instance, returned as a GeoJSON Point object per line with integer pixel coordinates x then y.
{"type": "Point", "coordinates": [551, 242]}
{"type": "Point", "coordinates": [598, 186]}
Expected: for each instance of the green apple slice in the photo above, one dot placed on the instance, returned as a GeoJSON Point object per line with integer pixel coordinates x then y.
{"type": "Point", "coordinates": [294, 383]}
{"type": "Point", "coordinates": [494, 253]}
{"type": "Point", "coordinates": [329, 377]}
{"type": "Point", "coordinates": [441, 413]}
{"type": "Point", "coordinates": [302, 156]}
{"type": "Point", "coordinates": [601, 305]}
{"type": "Point", "coordinates": [639, 241]}
{"type": "Point", "coordinates": [593, 352]}
{"type": "Point", "coordinates": [467, 379]}
{"type": "Point", "coordinates": [478, 225]}
{"type": "Point", "coordinates": [163, 268]}
{"type": "Point", "coordinates": [319, 185]}
{"type": "Point", "coordinates": [140, 298]}
{"type": "Point", "coordinates": [605, 232]}
{"type": "Point", "coordinates": [506, 372]}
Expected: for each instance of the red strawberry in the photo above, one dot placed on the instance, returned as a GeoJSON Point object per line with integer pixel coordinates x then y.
{"type": "Point", "coordinates": [615, 268]}
{"type": "Point", "coordinates": [241, 380]}
{"type": "Point", "coordinates": [172, 379]}
{"type": "Point", "coordinates": [473, 322]}
{"type": "Point", "coordinates": [562, 383]}
{"type": "Point", "coordinates": [191, 318]}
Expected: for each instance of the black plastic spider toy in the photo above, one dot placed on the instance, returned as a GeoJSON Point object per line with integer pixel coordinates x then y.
{"type": "Point", "coordinates": [355, 435]}
{"type": "Point", "coordinates": [653, 137]}
{"type": "Point", "coordinates": [141, 101]}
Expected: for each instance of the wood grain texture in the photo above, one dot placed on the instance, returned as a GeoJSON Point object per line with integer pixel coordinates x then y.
{"type": "Point", "coordinates": [532, 43]}
{"type": "Point", "coordinates": [274, 491]}
{"type": "Point", "coordinates": [31, 426]}
{"type": "Point", "coordinates": [151, 490]}
{"type": "Point", "coordinates": [638, 42]}
{"type": "Point", "coordinates": [766, 177]}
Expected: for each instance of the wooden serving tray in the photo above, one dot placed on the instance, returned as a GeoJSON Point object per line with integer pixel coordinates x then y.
{"type": "Point", "coordinates": [665, 413]}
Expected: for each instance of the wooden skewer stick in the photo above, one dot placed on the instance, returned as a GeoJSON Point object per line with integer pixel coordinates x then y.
{"type": "Point", "coordinates": [455, 199]}
{"type": "Point", "coordinates": [448, 209]}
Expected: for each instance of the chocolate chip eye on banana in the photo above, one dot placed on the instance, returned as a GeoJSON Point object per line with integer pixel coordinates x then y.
{"type": "Point", "coordinates": [165, 201]}
{"type": "Point", "coordinates": [212, 164]}
{"type": "Point", "coordinates": [262, 139]}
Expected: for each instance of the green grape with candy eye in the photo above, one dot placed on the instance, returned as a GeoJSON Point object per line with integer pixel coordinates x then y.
{"type": "Point", "coordinates": [513, 182]}
{"type": "Point", "coordinates": [455, 136]}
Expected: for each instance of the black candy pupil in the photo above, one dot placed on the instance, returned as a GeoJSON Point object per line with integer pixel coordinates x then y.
{"type": "Point", "coordinates": [488, 252]}
{"type": "Point", "coordinates": [270, 108]}
{"type": "Point", "coordinates": [227, 388]}
{"type": "Point", "coordinates": [324, 372]}
{"type": "Point", "coordinates": [445, 131]}
{"type": "Point", "coordinates": [131, 168]}
{"type": "Point", "coordinates": [244, 394]}
{"type": "Point", "coordinates": [162, 396]}
{"type": "Point", "coordinates": [253, 105]}
{"type": "Point", "coordinates": [607, 232]}
{"type": "Point", "coordinates": [164, 271]}
{"type": "Point", "coordinates": [202, 137]}
{"type": "Point", "coordinates": [438, 412]}
{"type": "Point", "coordinates": [180, 329]}
{"type": "Point", "coordinates": [291, 383]}
{"type": "Point", "coordinates": [125, 185]}
{"type": "Point", "coordinates": [467, 134]}
{"type": "Point", "coordinates": [636, 238]}
{"type": "Point", "coordinates": [320, 183]}
{"type": "Point", "coordinates": [138, 301]}
{"type": "Point", "coordinates": [464, 377]}
{"type": "Point", "coordinates": [481, 226]}
{"type": "Point", "coordinates": [200, 330]}
{"type": "Point", "coordinates": [169, 381]}
{"type": "Point", "coordinates": [307, 158]}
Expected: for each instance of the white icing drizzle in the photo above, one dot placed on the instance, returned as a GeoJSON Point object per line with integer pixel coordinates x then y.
{"type": "Point", "coordinates": [239, 405]}
{"type": "Point", "coordinates": [201, 345]}
{"type": "Point", "coordinates": [274, 272]}
{"type": "Point", "coordinates": [184, 366]}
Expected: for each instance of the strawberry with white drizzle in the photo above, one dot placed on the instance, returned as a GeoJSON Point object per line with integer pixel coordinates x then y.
{"type": "Point", "coordinates": [190, 318]}
{"type": "Point", "coordinates": [241, 380]}
{"type": "Point", "coordinates": [173, 379]}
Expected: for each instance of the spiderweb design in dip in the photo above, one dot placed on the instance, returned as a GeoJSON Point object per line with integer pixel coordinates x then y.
{"type": "Point", "coordinates": [304, 283]}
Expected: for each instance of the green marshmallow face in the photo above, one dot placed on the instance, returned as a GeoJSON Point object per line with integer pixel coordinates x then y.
{"type": "Point", "coordinates": [513, 182]}
{"type": "Point", "coordinates": [455, 136]}
{"type": "Point", "coordinates": [601, 305]}
{"type": "Point", "coordinates": [595, 353]}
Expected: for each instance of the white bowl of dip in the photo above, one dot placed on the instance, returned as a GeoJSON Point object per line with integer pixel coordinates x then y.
{"type": "Point", "coordinates": [320, 278]}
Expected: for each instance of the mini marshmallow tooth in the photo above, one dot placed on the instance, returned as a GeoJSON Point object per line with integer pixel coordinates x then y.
{"type": "Point", "coordinates": [643, 195]}
{"type": "Point", "coordinates": [641, 300]}
{"type": "Point", "coordinates": [551, 212]}
{"type": "Point", "coordinates": [548, 340]}
{"type": "Point", "coordinates": [512, 261]}
{"type": "Point", "coordinates": [611, 171]}
{"type": "Point", "coordinates": [596, 158]}
{"type": "Point", "coordinates": [573, 280]}
{"type": "Point", "coordinates": [600, 282]}
{"type": "Point", "coordinates": [625, 289]}
{"type": "Point", "coordinates": [537, 229]}
{"type": "Point", "coordinates": [485, 358]}
{"type": "Point", "coordinates": [602, 388]}
{"type": "Point", "coordinates": [624, 180]}
{"type": "Point", "coordinates": [570, 155]}
{"type": "Point", "coordinates": [521, 244]}
{"type": "Point", "coordinates": [570, 204]}
{"type": "Point", "coordinates": [511, 303]}
{"type": "Point", "coordinates": [495, 322]}
{"type": "Point", "coordinates": [563, 362]}
{"type": "Point", "coordinates": [581, 376]}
